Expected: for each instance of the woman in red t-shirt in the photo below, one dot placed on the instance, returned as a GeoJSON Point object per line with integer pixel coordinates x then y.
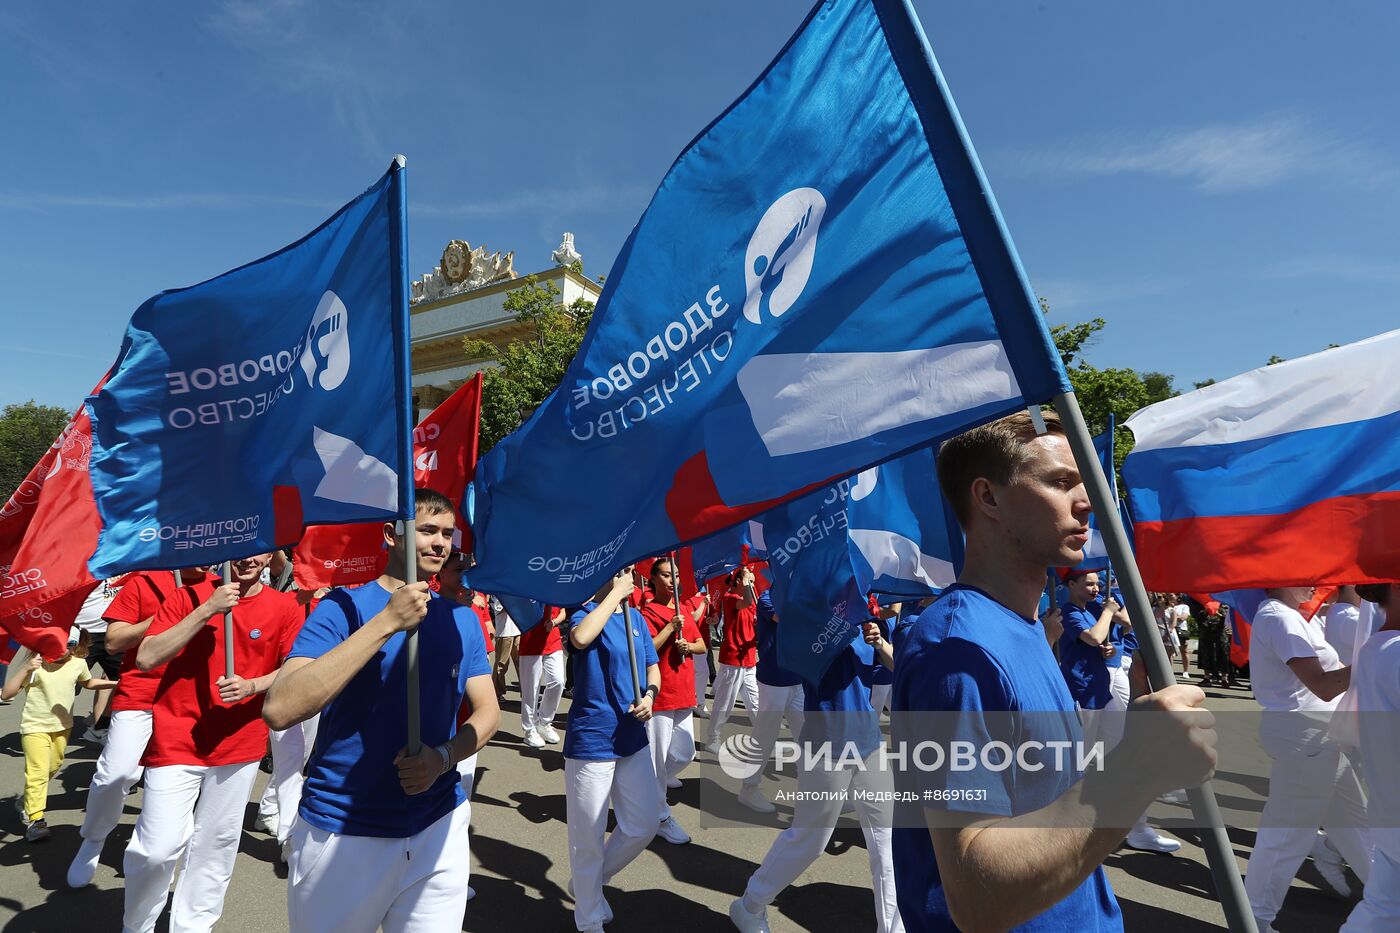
{"type": "Point", "coordinates": [675, 632]}
{"type": "Point", "coordinates": [738, 653]}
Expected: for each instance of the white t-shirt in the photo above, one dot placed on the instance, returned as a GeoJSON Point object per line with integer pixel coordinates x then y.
{"type": "Point", "coordinates": [1279, 635]}
{"type": "Point", "coordinates": [1182, 613]}
{"type": "Point", "coordinates": [90, 616]}
{"type": "Point", "coordinates": [1340, 629]}
{"type": "Point", "coordinates": [1376, 680]}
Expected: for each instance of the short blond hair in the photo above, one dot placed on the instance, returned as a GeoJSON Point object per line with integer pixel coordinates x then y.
{"type": "Point", "coordinates": [995, 451]}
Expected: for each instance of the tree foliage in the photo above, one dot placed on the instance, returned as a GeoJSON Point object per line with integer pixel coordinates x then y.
{"type": "Point", "coordinates": [528, 370]}
{"type": "Point", "coordinates": [26, 431]}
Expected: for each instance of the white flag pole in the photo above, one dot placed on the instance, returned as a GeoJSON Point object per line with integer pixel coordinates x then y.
{"type": "Point", "coordinates": [408, 534]}
{"type": "Point", "coordinates": [1219, 852]}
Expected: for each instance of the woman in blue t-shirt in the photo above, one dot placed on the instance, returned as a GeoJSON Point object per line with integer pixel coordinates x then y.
{"type": "Point", "coordinates": [606, 756]}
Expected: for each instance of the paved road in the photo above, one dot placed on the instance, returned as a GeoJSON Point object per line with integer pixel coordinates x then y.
{"type": "Point", "coordinates": [520, 855]}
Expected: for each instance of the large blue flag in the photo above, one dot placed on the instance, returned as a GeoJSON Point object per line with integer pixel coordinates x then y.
{"type": "Point", "coordinates": [822, 282]}
{"type": "Point", "coordinates": [273, 396]}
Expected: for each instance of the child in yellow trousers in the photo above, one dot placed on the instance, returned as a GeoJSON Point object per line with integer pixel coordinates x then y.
{"type": "Point", "coordinates": [46, 721]}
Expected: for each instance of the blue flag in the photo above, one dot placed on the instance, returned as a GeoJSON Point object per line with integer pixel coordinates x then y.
{"type": "Point", "coordinates": [886, 531]}
{"type": "Point", "coordinates": [273, 396]}
{"type": "Point", "coordinates": [903, 535]}
{"type": "Point", "coordinates": [822, 282]}
{"type": "Point", "coordinates": [719, 553]}
{"type": "Point", "coordinates": [817, 592]}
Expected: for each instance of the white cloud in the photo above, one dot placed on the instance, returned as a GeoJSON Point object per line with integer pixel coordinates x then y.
{"type": "Point", "coordinates": [1099, 295]}
{"type": "Point", "coordinates": [1217, 157]}
{"type": "Point", "coordinates": [1344, 268]}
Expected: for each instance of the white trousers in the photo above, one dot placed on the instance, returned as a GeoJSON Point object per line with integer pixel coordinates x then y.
{"type": "Point", "coordinates": [118, 770]}
{"type": "Point", "coordinates": [1310, 785]}
{"type": "Point", "coordinates": [215, 798]}
{"type": "Point", "coordinates": [774, 705]}
{"type": "Point", "coordinates": [813, 822]}
{"type": "Point", "coordinates": [282, 796]}
{"type": "Point", "coordinates": [732, 683]}
{"type": "Point", "coordinates": [1379, 910]}
{"type": "Point", "coordinates": [671, 735]}
{"type": "Point", "coordinates": [358, 884]}
{"type": "Point", "coordinates": [880, 697]}
{"type": "Point", "coordinates": [702, 679]}
{"type": "Point", "coordinates": [630, 785]}
{"type": "Point", "coordinates": [541, 686]}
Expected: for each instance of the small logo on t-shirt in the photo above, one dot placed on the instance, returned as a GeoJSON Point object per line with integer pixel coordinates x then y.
{"type": "Point", "coordinates": [255, 633]}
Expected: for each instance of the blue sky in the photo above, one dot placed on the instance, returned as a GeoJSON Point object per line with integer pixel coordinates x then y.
{"type": "Point", "coordinates": [1219, 181]}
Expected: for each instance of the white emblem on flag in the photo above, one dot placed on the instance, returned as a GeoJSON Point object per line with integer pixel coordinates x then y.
{"type": "Point", "coordinates": [327, 344]}
{"type": "Point", "coordinates": [779, 258]}
{"type": "Point", "coordinates": [353, 476]}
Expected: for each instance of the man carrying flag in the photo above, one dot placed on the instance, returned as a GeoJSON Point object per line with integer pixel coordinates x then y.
{"type": "Point", "coordinates": [206, 740]}
{"type": "Point", "coordinates": [374, 820]}
{"type": "Point", "coordinates": [1023, 848]}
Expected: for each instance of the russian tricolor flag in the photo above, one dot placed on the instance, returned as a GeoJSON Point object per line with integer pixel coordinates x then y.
{"type": "Point", "coordinates": [1288, 475]}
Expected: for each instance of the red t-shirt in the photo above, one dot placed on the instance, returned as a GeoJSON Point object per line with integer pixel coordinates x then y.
{"type": "Point", "coordinates": [543, 638]}
{"type": "Point", "coordinates": [140, 598]}
{"type": "Point", "coordinates": [739, 646]}
{"type": "Point", "coordinates": [677, 670]}
{"type": "Point", "coordinates": [192, 726]}
{"type": "Point", "coordinates": [483, 615]}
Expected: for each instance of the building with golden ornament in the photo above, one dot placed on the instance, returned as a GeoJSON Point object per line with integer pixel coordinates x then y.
{"type": "Point", "coordinates": [464, 296]}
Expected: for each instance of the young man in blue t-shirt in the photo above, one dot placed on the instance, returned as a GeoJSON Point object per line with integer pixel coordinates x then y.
{"type": "Point", "coordinates": [1021, 847]}
{"type": "Point", "coordinates": [841, 741]}
{"type": "Point", "coordinates": [381, 835]}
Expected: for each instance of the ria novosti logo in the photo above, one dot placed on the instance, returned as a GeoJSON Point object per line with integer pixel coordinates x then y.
{"type": "Point", "coordinates": [779, 259]}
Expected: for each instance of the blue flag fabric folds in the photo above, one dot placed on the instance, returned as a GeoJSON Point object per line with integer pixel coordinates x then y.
{"type": "Point", "coordinates": [886, 531]}
{"type": "Point", "coordinates": [726, 550]}
{"type": "Point", "coordinates": [273, 396]}
{"type": "Point", "coordinates": [821, 283]}
{"type": "Point", "coordinates": [1095, 550]}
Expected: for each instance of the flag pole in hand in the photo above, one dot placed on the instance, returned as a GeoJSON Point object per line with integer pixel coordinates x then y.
{"type": "Point", "coordinates": [228, 623]}
{"type": "Point", "coordinates": [631, 652]}
{"type": "Point", "coordinates": [408, 533]}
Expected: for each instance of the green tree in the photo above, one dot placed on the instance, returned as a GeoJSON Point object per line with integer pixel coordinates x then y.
{"type": "Point", "coordinates": [26, 431]}
{"type": "Point", "coordinates": [528, 370]}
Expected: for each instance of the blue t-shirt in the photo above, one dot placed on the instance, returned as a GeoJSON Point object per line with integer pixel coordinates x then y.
{"type": "Point", "coordinates": [838, 707]}
{"type": "Point", "coordinates": [969, 654]}
{"type": "Point", "coordinates": [1083, 665]}
{"type": "Point", "coordinates": [599, 727]}
{"type": "Point", "coordinates": [352, 784]}
{"type": "Point", "coordinates": [769, 671]}
{"type": "Point", "coordinates": [1125, 640]}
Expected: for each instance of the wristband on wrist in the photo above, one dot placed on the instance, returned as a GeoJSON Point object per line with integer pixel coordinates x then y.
{"type": "Point", "coordinates": [445, 750]}
{"type": "Point", "coordinates": [652, 691]}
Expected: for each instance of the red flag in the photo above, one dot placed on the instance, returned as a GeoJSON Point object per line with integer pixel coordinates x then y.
{"type": "Point", "coordinates": [48, 530]}
{"type": "Point", "coordinates": [1320, 595]}
{"type": "Point", "coordinates": [444, 458]}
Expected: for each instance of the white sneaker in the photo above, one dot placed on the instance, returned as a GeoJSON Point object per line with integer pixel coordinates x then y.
{"type": "Point", "coordinates": [1328, 862]}
{"type": "Point", "coordinates": [748, 922]}
{"type": "Point", "coordinates": [674, 784]}
{"type": "Point", "coordinates": [267, 822]}
{"type": "Point", "coordinates": [671, 831]}
{"type": "Point", "coordinates": [84, 866]}
{"type": "Point", "coordinates": [1175, 796]}
{"type": "Point", "coordinates": [1149, 840]}
{"type": "Point", "coordinates": [751, 797]}
{"type": "Point", "coordinates": [532, 739]}
{"type": "Point", "coordinates": [549, 735]}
